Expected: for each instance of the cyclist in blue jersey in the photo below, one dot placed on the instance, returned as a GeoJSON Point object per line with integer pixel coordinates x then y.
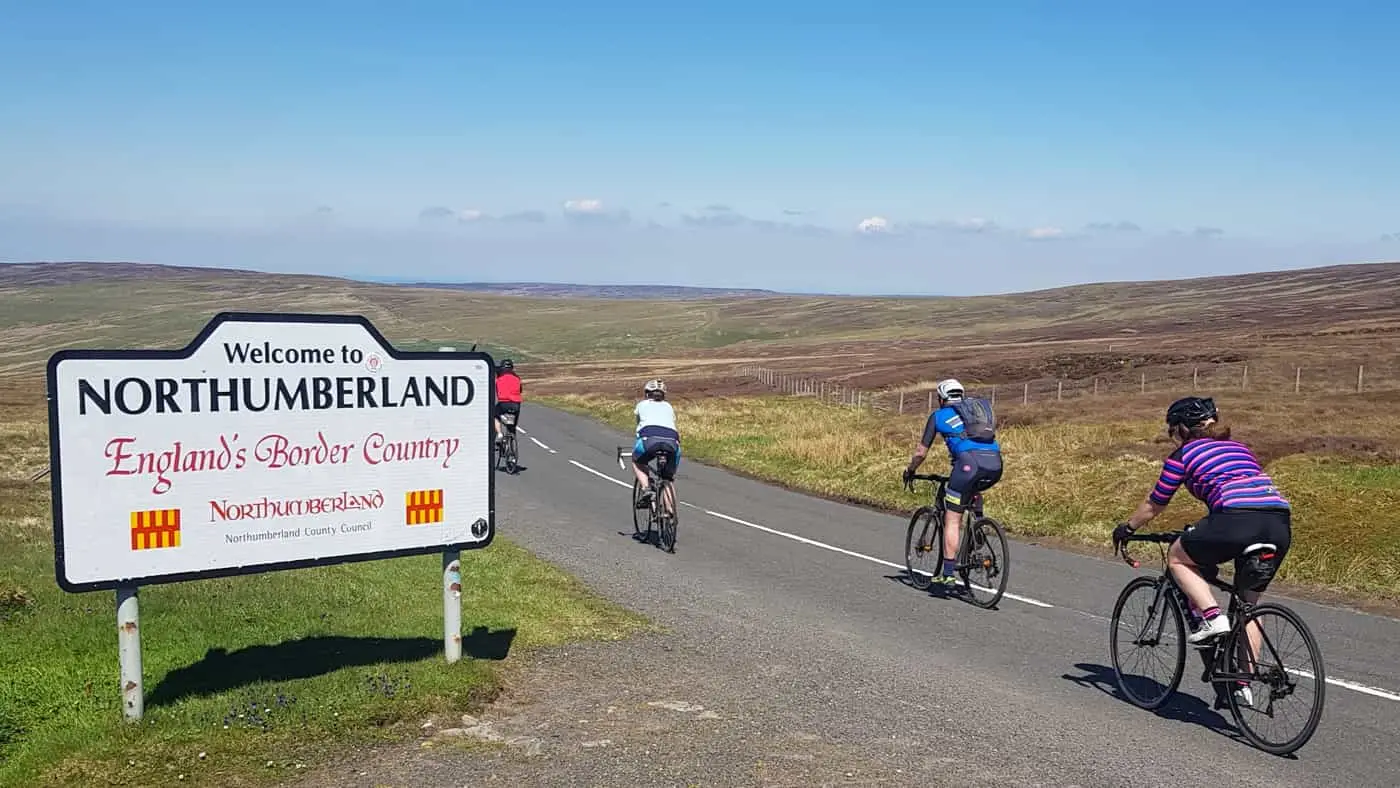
{"type": "Point", "coordinates": [1245, 508]}
{"type": "Point", "coordinates": [968, 429]}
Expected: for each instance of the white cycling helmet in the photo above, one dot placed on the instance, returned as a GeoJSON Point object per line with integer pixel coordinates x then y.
{"type": "Point", "coordinates": [653, 386]}
{"type": "Point", "coordinates": [950, 389]}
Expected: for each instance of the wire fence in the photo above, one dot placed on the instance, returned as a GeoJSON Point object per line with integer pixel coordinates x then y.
{"type": "Point", "coordinates": [1266, 377]}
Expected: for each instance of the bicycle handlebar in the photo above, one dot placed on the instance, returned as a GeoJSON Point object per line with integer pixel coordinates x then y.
{"type": "Point", "coordinates": [621, 451]}
{"type": "Point", "coordinates": [931, 477]}
{"type": "Point", "coordinates": [1157, 537]}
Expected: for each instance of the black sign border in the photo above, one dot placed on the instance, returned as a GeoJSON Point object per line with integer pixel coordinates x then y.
{"type": "Point", "coordinates": [56, 485]}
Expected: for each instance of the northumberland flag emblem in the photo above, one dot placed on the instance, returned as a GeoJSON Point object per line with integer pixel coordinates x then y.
{"type": "Point", "coordinates": [154, 529]}
{"type": "Point", "coordinates": [423, 506]}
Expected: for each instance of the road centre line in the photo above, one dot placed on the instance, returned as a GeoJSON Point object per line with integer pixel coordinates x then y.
{"type": "Point", "coordinates": [600, 474]}
{"type": "Point", "coordinates": [542, 446]}
{"type": "Point", "coordinates": [852, 553]}
{"type": "Point", "coordinates": [1343, 683]}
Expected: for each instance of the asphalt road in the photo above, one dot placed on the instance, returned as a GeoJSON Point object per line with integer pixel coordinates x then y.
{"type": "Point", "coordinates": [789, 585]}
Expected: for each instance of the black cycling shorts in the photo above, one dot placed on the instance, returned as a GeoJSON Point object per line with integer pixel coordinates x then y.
{"type": "Point", "coordinates": [973, 471]}
{"type": "Point", "coordinates": [1225, 535]}
{"type": "Point", "coordinates": [512, 408]}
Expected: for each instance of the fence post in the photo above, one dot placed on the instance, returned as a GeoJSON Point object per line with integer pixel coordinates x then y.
{"type": "Point", "coordinates": [901, 403]}
{"type": "Point", "coordinates": [994, 395]}
{"type": "Point", "coordinates": [1360, 374]}
{"type": "Point", "coordinates": [1195, 378]}
{"type": "Point", "coordinates": [1025, 394]}
{"type": "Point", "coordinates": [1297, 379]}
{"type": "Point", "coordinates": [930, 402]}
{"type": "Point", "coordinates": [858, 393]}
{"type": "Point", "coordinates": [1096, 387]}
{"type": "Point", "coordinates": [1144, 383]}
{"type": "Point", "coordinates": [1059, 390]}
{"type": "Point", "coordinates": [1244, 378]}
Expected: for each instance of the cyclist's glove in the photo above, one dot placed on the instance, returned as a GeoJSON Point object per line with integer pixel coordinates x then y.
{"type": "Point", "coordinates": [1120, 536]}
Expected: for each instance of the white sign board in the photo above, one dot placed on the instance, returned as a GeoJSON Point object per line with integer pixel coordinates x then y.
{"type": "Point", "coordinates": [270, 442]}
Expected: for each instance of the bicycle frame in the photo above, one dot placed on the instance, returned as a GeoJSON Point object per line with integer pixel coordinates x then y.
{"type": "Point", "coordinates": [941, 489]}
{"type": "Point", "coordinates": [1215, 659]}
{"type": "Point", "coordinates": [654, 480]}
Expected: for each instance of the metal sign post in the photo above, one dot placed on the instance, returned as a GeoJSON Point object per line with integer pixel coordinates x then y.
{"type": "Point", "coordinates": [452, 605]}
{"type": "Point", "coordinates": [129, 651]}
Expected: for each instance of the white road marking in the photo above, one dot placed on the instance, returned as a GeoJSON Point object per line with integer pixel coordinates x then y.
{"type": "Point", "coordinates": [802, 539]}
{"type": "Point", "coordinates": [852, 553]}
{"type": "Point", "coordinates": [600, 474]}
{"type": "Point", "coordinates": [1343, 683]}
{"type": "Point", "coordinates": [542, 446]}
{"type": "Point", "coordinates": [1351, 685]}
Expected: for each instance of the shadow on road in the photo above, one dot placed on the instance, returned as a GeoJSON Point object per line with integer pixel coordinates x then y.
{"type": "Point", "coordinates": [1181, 708]}
{"type": "Point", "coordinates": [222, 670]}
{"type": "Point", "coordinates": [937, 592]}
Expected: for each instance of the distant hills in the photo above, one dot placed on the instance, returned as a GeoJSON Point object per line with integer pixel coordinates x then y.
{"type": "Point", "coordinates": [555, 290]}
{"type": "Point", "coordinates": [21, 274]}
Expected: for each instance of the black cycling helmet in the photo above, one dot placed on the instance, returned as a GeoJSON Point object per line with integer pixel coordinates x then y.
{"type": "Point", "coordinates": [1190, 411]}
{"type": "Point", "coordinates": [507, 364]}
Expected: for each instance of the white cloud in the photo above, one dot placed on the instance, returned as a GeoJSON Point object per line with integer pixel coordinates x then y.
{"type": "Point", "coordinates": [592, 211]}
{"type": "Point", "coordinates": [584, 207]}
{"type": "Point", "coordinates": [469, 215]}
{"type": "Point", "coordinates": [1045, 233]}
{"type": "Point", "coordinates": [875, 224]}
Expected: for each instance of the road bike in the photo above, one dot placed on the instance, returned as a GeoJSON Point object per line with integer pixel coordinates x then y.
{"type": "Point", "coordinates": [1252, 695]}
{"type": "Point", "coordinates": [658, 521]}
{"type": "Point", "coordinates": [981, 538]}
{"type": "Point", "coordinates": [508, 455]}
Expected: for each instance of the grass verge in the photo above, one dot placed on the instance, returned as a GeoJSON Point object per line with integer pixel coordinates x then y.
{"type": "Point", "coordinates": [1067, 480]}
{"type": "Point", "coordinates": [249, 679]}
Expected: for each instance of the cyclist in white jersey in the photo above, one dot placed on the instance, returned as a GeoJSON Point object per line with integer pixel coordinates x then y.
{"type": "Point", "coordinates": [656, 435]}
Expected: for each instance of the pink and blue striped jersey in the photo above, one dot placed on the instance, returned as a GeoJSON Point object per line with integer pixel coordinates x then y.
{"type": "Point", "coordinates": [1223, 474]}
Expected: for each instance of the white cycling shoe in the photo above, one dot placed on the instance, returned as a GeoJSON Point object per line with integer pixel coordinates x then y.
{"type": "Point", "coordinates": [1210, 630]}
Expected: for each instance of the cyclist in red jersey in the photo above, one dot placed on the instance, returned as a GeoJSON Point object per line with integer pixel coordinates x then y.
{"type": "Point", "coordinates": [508, 388]}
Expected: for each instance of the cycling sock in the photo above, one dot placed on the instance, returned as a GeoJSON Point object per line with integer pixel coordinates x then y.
{"type": "Point", "coordinates": [1210, 613]}
{"type": "Point", "coordinates": [950, 565]}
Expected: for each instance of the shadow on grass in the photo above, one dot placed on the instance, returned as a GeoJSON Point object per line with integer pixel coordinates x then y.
{"type": "Point", "coordinates": [220, 670]}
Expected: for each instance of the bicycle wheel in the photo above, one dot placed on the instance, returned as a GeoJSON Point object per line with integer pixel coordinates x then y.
{"type": "Point", "coordinates": [923, 543]}
{"type": "Point", "coordinates": [511, 456]}
{"type": "Point", "coordinates": [984, 562]}
{"type": "Point", "coordinates": [667, 522]}
{"type": "Point", "coordinates": [1147, 634]}
{"type": "Point", "coordinates": [1275, 680]}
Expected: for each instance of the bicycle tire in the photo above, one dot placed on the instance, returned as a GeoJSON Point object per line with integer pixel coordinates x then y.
{"type": "Point", "coordinates": [667, 523]}
{"type": "Point", "coordinates": [1117, 630]}
{"type": "Point", "coordinates": [971, 535]}
{"type": "Point", "coordinates": [1316, 667]}
{"type": "Point", "coordinates": [512, 457]}
{"type": "Point", "coordinates": [920, 579]}
{"type": "Point", "coordinates": [640, 516]}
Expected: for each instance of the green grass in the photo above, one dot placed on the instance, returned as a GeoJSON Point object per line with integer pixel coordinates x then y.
{"type": "Point", "coordinates": [280, 669]}
{"type": "Point", "coordinates": [1069, 480]}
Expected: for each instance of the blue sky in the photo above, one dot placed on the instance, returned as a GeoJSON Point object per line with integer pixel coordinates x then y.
{"type": "Point", "coordinates": [915, 147]}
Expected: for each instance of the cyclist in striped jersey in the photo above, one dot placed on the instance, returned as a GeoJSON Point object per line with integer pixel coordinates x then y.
{"type": "Point", "coordinates": [1245, 509]}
